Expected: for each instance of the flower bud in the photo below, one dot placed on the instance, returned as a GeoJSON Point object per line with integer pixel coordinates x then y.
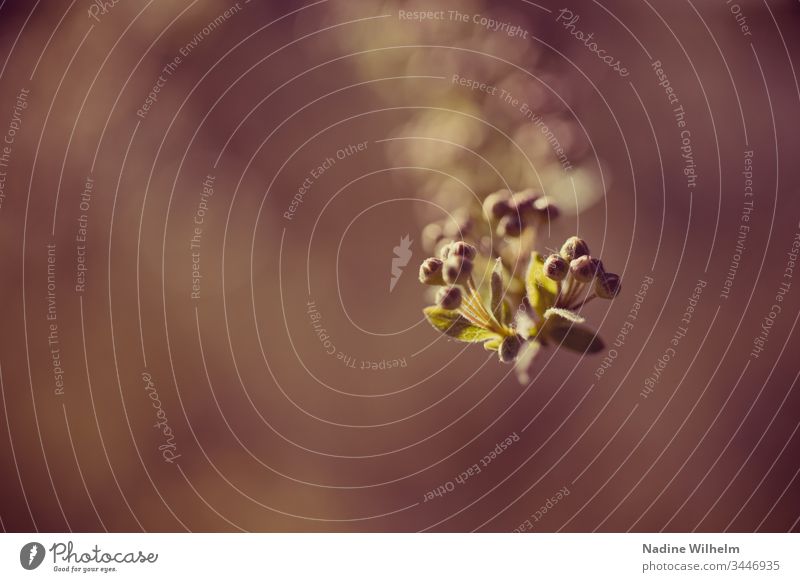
{"type": "Point", "coordinates": [510, 348]}
{"type": "Point", "coordinates": [497, 204]}
{"type": "Point", "coordinates": [457, 270]}
{"type": "Point", "coordinates": [510, 225]}
{"type": "Point", "coordinates": [573, 248]}
{"type": "Point", "coordinates": [430, 272]}
{"type": "Point", "coordinates": [584, 268]}
{"type": "Point", "coordinates": [449, 297]}
{"type": "Point", "coordinates": [458, 226]}
{"type": "Point", "coordinates": [525, 202]}
{"type": "Point", "coordinates": [440, 248]}
{"type": "Point", "coordinates": [546, 208]}
{"type": "Point", "coordinates": [555, 267]}
{"type": "Point", "coordinates": [444, 251]}
{"type": "Point", "coordinates": [462, 249]}
{"type": "Point", "coordinates": [608, 285]}
{"type": "Point", "coordinates": [431, 235]}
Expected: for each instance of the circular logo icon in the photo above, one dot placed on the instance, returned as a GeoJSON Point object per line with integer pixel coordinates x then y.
{"type": "Point", "coordinates": [31, 555]}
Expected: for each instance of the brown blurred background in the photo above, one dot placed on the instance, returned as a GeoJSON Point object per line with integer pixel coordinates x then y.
{"type": "Point", "coordinates": [226, 410]}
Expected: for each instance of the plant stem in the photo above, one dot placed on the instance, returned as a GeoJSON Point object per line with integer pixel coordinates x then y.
{"type": "Point", "coordinates": [466, 312]}
{"type": "Point", "coordinates": [584, 302]}
{"type": "Point", "coordinates": [567, 286]}
{"type": "Point", "coordinates": [477, 298]}
{"type": "Point", "coordinates": [491, 321]}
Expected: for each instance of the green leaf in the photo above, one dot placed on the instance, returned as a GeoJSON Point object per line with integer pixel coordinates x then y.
{"type": "Point", "coordinates": [541, 289]}
{"type": "Point", "coordinates": [497, 291]}
{"type": "Point", "coordinates": [573, 336]}
{"type": "Point", "coordinates": [507, 316]}
{"type": "Point", "coordinates": [455, 325]}
{"type": "Point", "coordinates": [492, 345]}
{"type": "Point", "coordinates": [564, 314]}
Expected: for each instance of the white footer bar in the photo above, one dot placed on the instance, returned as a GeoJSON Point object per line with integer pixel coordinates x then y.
{"type": "Point", "coordinates": [401, 557]}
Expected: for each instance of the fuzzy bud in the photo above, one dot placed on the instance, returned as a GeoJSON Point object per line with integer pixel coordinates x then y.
{"type": "Point", "coordinates": [573, 248]}
{"type": "Point", "coordinates": [430, 272]}
{"type": "Point", "coordinates": [497, 204]}
{"type": "Point", "coordinates": [444, 251]}
{"type": "Point", "coordinates": [608, 285]}
{"type": "Point", "coordinates": [546, 208]}
{"type": "Point", "coordinates": [449, 297]}
{"type": "Point", "coordinates": [462, 249]}
{"type": "Point", "coordinates": [556, 268]}
{"type": "Point", "coordinates": [584, 268]}
{"type": "Point", "coordinates": [525, 202]}
{"type": "Point", "coordinates": [510, 225]}
{"type": "Point", "coordinates": [509, 348]}
{"type": "Point", "coordinates": [457, 270]}
{"type": "Point", "coordinates": [458, 226]}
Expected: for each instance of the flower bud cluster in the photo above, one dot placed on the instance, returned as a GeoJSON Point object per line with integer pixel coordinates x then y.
{"type": "Point", "coordinates": [512, 213]}
{"type": "Point", "coordinates": [580, 276]}
{"type": "Point", "coordinates": [460, 225]}
{"type": "Point", "coordinates": [451, 270]}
